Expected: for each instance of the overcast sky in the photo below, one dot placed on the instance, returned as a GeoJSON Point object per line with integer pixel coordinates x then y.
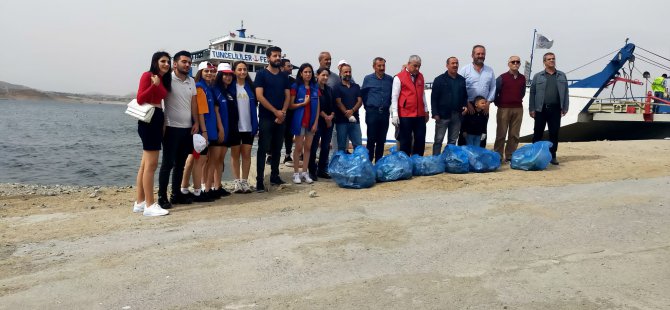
{"type": "Point", "coordinates": [104, 46]}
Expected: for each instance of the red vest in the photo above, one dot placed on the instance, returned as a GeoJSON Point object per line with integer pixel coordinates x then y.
{"type": "Point", "coordinates": [410, 100]}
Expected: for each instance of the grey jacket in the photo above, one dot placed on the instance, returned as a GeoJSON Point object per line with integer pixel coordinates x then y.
{"type": "Point", "coordinates": [537, 88]}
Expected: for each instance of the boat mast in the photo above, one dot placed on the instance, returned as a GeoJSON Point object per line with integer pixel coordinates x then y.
{"type": "Point", "coordinates": [532, 50]}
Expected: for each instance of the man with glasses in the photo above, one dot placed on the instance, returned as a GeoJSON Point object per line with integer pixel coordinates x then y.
{"type": "Point", "coordinates": [510, 89]}
{"type": "Point", "coordinates": [548, 102]}
{"type": "Point", "coordinates": [480, 81]}
{"type": "Point", "coordinates": [409, 111]}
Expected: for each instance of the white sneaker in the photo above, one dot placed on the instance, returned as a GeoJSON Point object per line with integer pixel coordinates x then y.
{"type": "Point", "coordinates": [239, 186]}
{"type": "Point", "coordinates": [296, 178]}
{"type": "Point", "coordinates": [307, 179]}
{"type": "Point", "coordinates": [139, 207]}
{"type": "Point", "coordinates": [245, 186]}
{"type": "Point", "coordinates": [155, 210]}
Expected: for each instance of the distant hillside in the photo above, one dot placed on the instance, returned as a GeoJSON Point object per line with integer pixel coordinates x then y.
{"type": "Point", "coordinates": [20, 92]}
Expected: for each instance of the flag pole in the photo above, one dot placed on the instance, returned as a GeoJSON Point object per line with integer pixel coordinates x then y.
{"type": "Point", "coordinates": [532, 50]}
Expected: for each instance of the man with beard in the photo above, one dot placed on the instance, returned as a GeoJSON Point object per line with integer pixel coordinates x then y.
{"type": "Point", "coordinates": [376, 92]}
{"type": "Point", "coordinates": [409, 110]}
{"type": "Point", "coordinates": [347, 101]}
{"type": "Point", "coordinates": [272, 91]}
{"type": "Point", "coordinates": [480, 81]}
{"type": "Point", "coordinates": [181, 122]}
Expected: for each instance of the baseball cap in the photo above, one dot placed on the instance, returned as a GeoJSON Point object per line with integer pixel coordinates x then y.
{"type": "Point", "coordinates": [224, 67]}
{"type": "Point", "coordinates": [342, 62]}
{"type": "Point", "coordinates": [205, 65]}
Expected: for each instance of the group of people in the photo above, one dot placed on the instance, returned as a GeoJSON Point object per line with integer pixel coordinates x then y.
{"type": "Point", "coordinates": [228, 109]}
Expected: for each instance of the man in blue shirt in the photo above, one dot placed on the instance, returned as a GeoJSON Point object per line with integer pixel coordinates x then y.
{"type": "Point", "coordinates": [347, 102]}
{"type": "Point", "coordinates": [272, 91]}
{"type": "Point", "coordinates": [480, 81]}
{"type": "Point", "coordinates": [376, 93]}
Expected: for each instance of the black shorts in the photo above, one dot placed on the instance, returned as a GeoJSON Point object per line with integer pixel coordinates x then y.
{"type": "Point", "coordinates": [152, 133]}
{"type": "Point", "coordinates": [216, 143]}
{"type": "Point", "coordinates": [239, 138]}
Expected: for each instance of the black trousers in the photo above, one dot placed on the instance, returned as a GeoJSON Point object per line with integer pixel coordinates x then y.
{"type": "Point", "coordinates": [288, 134]}
{"type": "Point", "coordinates": [550, 117]}
{"type": "Point", "coordinates": [412, 135]}
{"type": "Point", "coordinates": [177, 145]}
{"type": "Point", "coordinates": [270, 139]}
{"type": "Point", "coordinates": [377, 121]}
{"type": "Point", "coordinates": [321, 140]}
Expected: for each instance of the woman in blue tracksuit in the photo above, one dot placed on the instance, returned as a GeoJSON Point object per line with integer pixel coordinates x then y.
{"type": "Point", "coordinates": [305, 103]}
{"type": "Point", "coordinates": [243, 125]}
{"type": "Point", "coordinates": [206, 96]}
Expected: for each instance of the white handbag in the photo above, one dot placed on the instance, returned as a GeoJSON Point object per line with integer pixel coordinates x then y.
{"type": "Point", "coordinates": [142, 112]}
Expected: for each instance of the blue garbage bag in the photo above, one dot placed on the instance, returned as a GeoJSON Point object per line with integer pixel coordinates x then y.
{"type": "Point", "coordinates": [456, 159]}
{"type": "Point", "coordinates": [534, 156]}
{"type": "Point", "coordinates": [352, 170]}
{"type": "Point", "coordinates": [427, 165]}
{"type": "Point", "coordinates": [481, 159]}
{"type": "Point", "coordinates": [393, 167]}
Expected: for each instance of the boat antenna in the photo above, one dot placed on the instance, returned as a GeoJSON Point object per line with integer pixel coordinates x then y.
{"type": "Point", "coordinates": [242, 32]}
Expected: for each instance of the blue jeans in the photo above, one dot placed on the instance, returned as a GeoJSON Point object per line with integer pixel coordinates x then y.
{"type": "Point", "coordinates": [453, 124]}
{"type": "Point", "coordinates": [473, 139]}
{"type": "Point", "coordinates": [352, 131]}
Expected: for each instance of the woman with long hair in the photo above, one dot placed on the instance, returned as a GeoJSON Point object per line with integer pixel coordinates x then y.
{"type": "Point", "coordinates": [209, 129]}
{"type": "Point", "coordinates": [324, 133]}
{"type": "Point", "coordinates": [305, 103]}
{"type": "Point", "coordinates": [154, 86]}
{"type": "Point", "coordinates": [243, 125]}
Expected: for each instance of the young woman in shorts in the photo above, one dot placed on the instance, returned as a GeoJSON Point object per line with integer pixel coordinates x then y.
{"type": "Point", "coordinates": [243, 125]}
{"type": "Point", "coordinates": [154, 86]}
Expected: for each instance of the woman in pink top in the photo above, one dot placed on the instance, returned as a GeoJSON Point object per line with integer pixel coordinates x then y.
{"type": "Point", "coordinates": [154, 86]}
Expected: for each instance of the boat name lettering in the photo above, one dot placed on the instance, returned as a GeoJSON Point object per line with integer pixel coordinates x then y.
{"type": "Point", "coordinates": [228, 55]}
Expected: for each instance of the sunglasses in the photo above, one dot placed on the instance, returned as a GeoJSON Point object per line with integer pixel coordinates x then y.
{"type": "Point", "coordinates": [515, 62]}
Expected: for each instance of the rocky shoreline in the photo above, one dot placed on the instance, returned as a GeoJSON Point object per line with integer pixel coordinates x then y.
{"type": "Point", "coordinates": [19, 189]}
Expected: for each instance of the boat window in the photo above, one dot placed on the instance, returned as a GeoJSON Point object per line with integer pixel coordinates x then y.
{"type": "Point", "coordinates": [250, 48]}
{"type": "Point", "coordinates": [226, 47]}
{"type": "Point", "coordinates": [260, 49]}
{"type": "Point", "coordinates": [238, 47]}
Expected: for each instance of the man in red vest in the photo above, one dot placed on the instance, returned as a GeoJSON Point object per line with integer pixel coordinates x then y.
{"type": "Point", "coordinates": [409, 111]}
{"type": "Point", "coordinates": [510, 89]}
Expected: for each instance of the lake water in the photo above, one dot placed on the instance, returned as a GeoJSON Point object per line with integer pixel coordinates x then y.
{"type": "Point", "coordinates": [50, 142]}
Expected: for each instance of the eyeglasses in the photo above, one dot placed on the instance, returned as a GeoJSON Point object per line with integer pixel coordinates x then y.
{"type": "Point", "coordinates": [515, 62]}
{"type": "Point", "coordinates": [209, 70]}
{"type": "Point", "coordinates": [550, 59]}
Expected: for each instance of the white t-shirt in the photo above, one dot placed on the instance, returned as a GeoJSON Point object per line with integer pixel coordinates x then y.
{"type": "Point", "coordinates": [178, 102]}
{"type": "Point", "coordinates": [243, 109]}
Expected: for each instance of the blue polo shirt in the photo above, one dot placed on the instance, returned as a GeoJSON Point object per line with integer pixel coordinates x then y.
{"type": "Point", "coordinates": [349, 97]}
{"type": "Point", "coordinates": [376, 92]}
{"type": "Point", "coordinates": [273, 86]}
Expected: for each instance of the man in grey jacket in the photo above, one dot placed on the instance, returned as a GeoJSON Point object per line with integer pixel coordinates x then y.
{"type": "Point", "coordinates": [548, 102]}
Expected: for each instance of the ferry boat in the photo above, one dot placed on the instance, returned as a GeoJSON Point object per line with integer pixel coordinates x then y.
{"type": "Point", "coordinates": [234, 47]}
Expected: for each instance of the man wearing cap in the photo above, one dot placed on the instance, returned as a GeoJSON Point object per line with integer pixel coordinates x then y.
{"type": "Point", "coordinates": [272, 92]}
{"type": "Point", "coordinates": [480, 81]}
{"type": "Point", "coordinates": [347, 102]}
{"type": "Point", "coordinates": [409, 110]}
{"type": "Point", "coordinates": [181, 122]}
{"type": "Point", "coordinates": [376, 94]}
{"type": "Point", "coordinates": [510, 89]}
{"type": "Point", "coordinates": [287, 68]}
